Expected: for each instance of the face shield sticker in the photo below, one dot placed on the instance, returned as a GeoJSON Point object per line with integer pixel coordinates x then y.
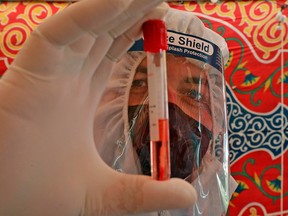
{"type": "Point", "coordinates": [192, 47]}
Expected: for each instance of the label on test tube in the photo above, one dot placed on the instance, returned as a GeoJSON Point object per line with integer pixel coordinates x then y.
{"type": "Point", "coordinates": [153, 97]}
{"type": "Point", "coordinates": [155, 45]}
{"type": "Point", "coordinates": [156, 89]}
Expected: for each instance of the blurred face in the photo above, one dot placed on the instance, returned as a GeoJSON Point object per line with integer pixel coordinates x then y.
{"type": "Point", "coordinates": [187, 88]}
{"type": "Point", "coordinates": [190, 119]}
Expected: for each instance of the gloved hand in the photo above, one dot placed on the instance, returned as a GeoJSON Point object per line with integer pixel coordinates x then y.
{"type": "Point", "coordinates": [48, 161]}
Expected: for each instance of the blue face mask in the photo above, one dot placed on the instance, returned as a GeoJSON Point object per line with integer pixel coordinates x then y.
{"type": "Point", "coordinates": [189, 140]}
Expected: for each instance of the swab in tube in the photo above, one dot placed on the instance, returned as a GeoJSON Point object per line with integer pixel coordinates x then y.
{"type": "Point", "coordinates": [155, 45]}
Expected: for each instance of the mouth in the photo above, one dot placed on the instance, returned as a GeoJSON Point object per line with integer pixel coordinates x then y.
{"type": "Point", "coordinates": [189, 142]}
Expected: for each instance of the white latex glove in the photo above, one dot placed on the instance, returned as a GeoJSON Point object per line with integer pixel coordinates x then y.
{"type": "Point", "coordinates": [48, 161]}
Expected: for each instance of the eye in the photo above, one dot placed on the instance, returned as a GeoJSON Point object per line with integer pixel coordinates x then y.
{"type": "Point", "coordinates": [193, 94]}
{"type": "Point", "coordinates": [193, 79]}
{"type": "Point", "coordinates": [139, 83]}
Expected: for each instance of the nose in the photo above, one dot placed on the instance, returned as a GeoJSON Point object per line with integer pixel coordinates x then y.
{"type": "Point", "coordinates": [172, 95]}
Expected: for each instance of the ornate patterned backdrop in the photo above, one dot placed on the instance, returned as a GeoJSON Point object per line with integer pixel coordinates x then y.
{"type": "Point", "coordinates": [257, 90]}
{"type": "Point", "coordinates": [257, 99]}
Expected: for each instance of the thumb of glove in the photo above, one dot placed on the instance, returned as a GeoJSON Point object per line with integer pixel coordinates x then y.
{"type": "Point", "coordinates": [127, 194]}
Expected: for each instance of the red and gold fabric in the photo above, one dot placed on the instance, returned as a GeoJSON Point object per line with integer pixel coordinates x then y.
{"type": "Point", "coordinates": [257, 89]}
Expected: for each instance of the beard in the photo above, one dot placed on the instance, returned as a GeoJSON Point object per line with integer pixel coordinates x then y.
{"type": "Point", "coordinates": [189, 140]}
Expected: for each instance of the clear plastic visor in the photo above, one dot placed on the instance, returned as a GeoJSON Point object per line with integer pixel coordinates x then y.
{"type": "Point", "coordinates": [195, 95]}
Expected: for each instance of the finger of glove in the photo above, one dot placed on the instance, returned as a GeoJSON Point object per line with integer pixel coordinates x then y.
{"type": "Point", "coordinates": [118, 48]}
{"type": "Point", "coordinates": [95, 16]}
{"type": "Point", "coordinates": [95, 56]}
{"type": "Point", "coordinates": [126, 39]}
{"type": "Point", "coordinates": [103, 71]}
{"type": "Point", "coordinates": [138, 194]}
{"type": "Point", "coordinates": [99, 83]}
{"type": "Point", "coordinates": [103, 44]}
{"type": "Point", "coordinates": [117, 30]}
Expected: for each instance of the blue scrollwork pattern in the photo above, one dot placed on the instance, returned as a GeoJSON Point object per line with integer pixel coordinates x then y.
{"type": "Point", "coordinates": [249, 131]}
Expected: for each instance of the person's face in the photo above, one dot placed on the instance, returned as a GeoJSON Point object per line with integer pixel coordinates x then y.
{"type": "Point", "coordinates": [187, 88]}
{"type": "Point", "coordinates": [190, 119]}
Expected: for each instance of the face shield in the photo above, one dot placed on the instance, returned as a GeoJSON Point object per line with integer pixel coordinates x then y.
{"type": "Point", "coordinates": [197, 117]}
{"type": "Point", "coordinates": [190, 115]}
{"type": "Point", "coordinates": [197, 127]}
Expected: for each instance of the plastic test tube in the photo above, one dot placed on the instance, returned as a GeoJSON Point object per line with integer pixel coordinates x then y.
{"type": "Point", "coordinates": [155, 45]}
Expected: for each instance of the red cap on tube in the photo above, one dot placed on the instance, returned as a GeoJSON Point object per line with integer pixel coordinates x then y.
{"type": "Point", "coordinates": [155, 36]}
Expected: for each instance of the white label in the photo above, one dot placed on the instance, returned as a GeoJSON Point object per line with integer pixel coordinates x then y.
{"type": "Point", "coordinates": [190, 42]}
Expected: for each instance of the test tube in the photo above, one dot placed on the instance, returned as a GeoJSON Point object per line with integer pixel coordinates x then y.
{"type": "Point", "coordinates": [155, 45]}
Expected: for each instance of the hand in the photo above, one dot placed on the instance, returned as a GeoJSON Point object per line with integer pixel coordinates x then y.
{"type": "Point", "coordinates": [48, 161]}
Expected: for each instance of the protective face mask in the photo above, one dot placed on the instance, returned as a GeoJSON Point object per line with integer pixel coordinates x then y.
{"type": "Point", "coordinates": [189, 140]}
